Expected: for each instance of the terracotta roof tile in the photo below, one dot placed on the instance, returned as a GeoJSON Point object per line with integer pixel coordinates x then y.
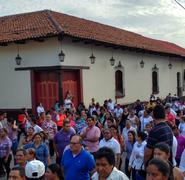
{"type": "Point", "coordinates": [25, 26]}
{"type": "Point", "coordinates": [48, 23]}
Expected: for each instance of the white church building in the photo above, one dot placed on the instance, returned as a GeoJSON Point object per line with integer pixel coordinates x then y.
{"type": "Point", "coordinates": [44, 54]}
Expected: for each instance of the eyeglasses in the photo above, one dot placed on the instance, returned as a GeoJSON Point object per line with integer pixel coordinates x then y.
{"type": "Point", "coordinates": [74, 143]}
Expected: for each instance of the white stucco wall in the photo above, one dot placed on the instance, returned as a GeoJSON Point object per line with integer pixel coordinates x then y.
{"type": "Point", "coordinates": [15, 88]}
{"type": "Point", "coordinates": [98, 81]}
{"type": "Point", "coordinates": [14, 85]}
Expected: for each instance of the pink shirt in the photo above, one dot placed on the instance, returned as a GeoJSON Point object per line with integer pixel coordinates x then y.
{"type": "Point", "coordinates": [94, 132]}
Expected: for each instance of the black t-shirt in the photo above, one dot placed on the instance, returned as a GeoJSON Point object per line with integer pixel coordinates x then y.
{"type": "Point", "coordinates": [124, 118]}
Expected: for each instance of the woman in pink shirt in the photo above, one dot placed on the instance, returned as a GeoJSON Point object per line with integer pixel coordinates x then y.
{"type": "Point", "coordinates": [91, 135]}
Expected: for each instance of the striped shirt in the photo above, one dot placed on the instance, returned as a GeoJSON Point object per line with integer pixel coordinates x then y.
{"type": "Point", "coordinates": [160, 133]}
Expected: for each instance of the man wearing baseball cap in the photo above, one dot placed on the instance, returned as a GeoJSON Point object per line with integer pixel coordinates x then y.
{"type": "Point", "coordinates": [35, 170]}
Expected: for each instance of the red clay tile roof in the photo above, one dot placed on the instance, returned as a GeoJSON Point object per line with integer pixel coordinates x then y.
{"type": "Point", "coordinates": [48, 23]}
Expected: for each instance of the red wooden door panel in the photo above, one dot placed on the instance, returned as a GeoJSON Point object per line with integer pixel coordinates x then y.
{"type": "Point", "coordinates": [70, 82]}
{"type": "Point", "coordinates": [46, 87]}
{"type": "Point", "coordinates": [72, 86]}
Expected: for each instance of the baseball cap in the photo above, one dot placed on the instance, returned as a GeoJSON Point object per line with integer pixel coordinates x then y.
{"type": "Point", "coordinates": [34, 169]}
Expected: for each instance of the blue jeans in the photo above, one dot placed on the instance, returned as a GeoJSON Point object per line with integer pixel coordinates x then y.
{"type": "Point", "coordinates": [14, 146]}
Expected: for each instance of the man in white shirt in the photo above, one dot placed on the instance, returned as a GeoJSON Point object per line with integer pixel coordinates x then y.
{"type": "Point", "coordinates": [32, 123]}
{"type": "Point", "coordinates": [111, 142]}
{"type": "Point", "coordinates": [145, 119]}
{"type": "Point", "coordinates": [126, 129]}
{"type": "Point", "coordinates": [110, 105]}
{"type": "Point", "coordinates": [37, 129]}
{"type": "Point", "coordinates": [40, 109]}
{"type": "Point", "coordinates": [67, 103]}
{"type": "Point", "coordinates": [118, 111]}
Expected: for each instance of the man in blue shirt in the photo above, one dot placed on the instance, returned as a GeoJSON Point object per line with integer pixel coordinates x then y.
{"type": "Point", "coordinates": [76, 161]}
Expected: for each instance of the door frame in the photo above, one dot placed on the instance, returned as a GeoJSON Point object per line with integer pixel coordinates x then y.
{"type": "Point", "coordinates": [33, 71]}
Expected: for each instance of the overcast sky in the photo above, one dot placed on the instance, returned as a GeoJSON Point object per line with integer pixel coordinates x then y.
{"type": "Point", "coordinates": [159, 19]}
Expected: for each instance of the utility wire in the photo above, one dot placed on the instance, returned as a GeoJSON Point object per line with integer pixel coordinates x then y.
{"type": "Point", "coordinates": [179, 4]}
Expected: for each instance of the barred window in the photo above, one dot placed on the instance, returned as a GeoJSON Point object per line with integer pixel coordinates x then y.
{"type": "Point", "coordinates": [155, 83]}
{"type": "Point", "coordinates": [119, 83]}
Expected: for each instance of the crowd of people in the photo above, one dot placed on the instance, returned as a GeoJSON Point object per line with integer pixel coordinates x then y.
{"type": "Point", "coordinates": [143, 140]}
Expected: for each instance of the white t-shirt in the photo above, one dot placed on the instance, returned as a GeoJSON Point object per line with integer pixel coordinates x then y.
{"type": "Point", "coordinates": [174, 150]}
{"type": "Point", "coordinates": [110, 106]}
{"type": "Point", "coordinates": [111, 143]}
{"type": "Point", "coordinates": [40, 109]}
{"type": "Point", "coordinates": [67, 103]}
{"type": "Point", "coordinates": [91, 110]}
{"type": "Point", "coordinates": [182, 128]}
{"type": "Point", "coordinates": [133, 120]}
{"type": "Point", "coordinates": [137, 156]}
{"type": "Point", "coordinates": [114, 175]}
{"type": "Point", "coordinates": [37, 129]}
{"type": "Point", "coordinates": [144, 121]}
{"type": "Point", "coordinates": [118, 112]}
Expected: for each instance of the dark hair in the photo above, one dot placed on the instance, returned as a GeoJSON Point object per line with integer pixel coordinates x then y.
{"type": "Point", "coordinates": [37, 134]}
{"type": "Point", "coordinates": [106, 153]}
{"type": "Point", "coordinates": [161, 165]}
{"type": "Point", "coordinates": [115, 127]}
{"type": "Point", "coordinates": [31, 127]}
{"type": "Point", "coordinates": [133, 134]}
{"type": "Point", "coordinates": [169, 124]}
{"type": "Point", "coordinates": [22, 150]}
{"type": "Point", "coordinates": [111, 119]}
{"type": "Point", "coordinates": [20, 169]}
{"type": "Point", "coordinates": [159, 112]}
{"type": "Point", "coordinates": [33, 119]}
{"type": "Point", "coordinates": [44, 135]}
{"type": "Point", "coordinates": [174, 128]}
{"type": "Point", "coordinates": [1, 113]}
{"type": "Point", "coordinates": [66, 121]}
{"type": "Point", "coordinates": [42, 113]}
{"type": "Point", "coordinates": [178, 112]}
{"type": "Point", "coordinates": [142, 135]}
{"type": "Point", "coordinates": [55, 169]}
{"type": "Point", "coordinates": [10, 120]}
{"type": "Point", "coordinates": [31, 151]}
{"type": "Point", "coordinates": [149, 110]}
{"type": "Point", "coordinates": [163, 147]}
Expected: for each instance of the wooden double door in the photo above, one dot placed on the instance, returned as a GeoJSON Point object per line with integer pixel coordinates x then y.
{"type": "Point", "coordinates": [52, 86]}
